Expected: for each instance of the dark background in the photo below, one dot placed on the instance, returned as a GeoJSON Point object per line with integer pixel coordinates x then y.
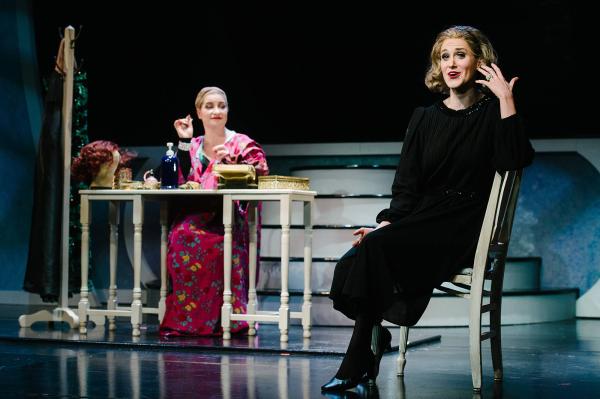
{"type": "Point", "coordinates": [313, 72]}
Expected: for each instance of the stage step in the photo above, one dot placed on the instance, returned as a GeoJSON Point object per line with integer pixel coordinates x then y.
{"type": "Point", "coordinates": [351, 179]}
{"type": "Point", "coordinates": [518, 307]}
{"type": "Point", "coordinates": [328, 241]}
{"type": "Point", "coordinates": [520, 274]}
{"type": "Point", "coordinates": [321, 276]}
{"type": "Point", "coordinates": [333, 209]}
{"type": "Point", "coordinates": [350, 197]}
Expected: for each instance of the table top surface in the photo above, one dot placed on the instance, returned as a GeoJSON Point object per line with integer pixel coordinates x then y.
{"type": "Point", "coordinates": [270, 192]}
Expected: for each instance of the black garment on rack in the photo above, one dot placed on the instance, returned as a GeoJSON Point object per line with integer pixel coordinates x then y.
{"type": "Point", "coordinates": [43, 272]}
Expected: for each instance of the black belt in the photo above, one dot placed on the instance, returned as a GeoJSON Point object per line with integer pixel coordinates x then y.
{"type": "Point", "coordinates": [466, 194]}
{"type": "Point", "coordinates": [451, 191]}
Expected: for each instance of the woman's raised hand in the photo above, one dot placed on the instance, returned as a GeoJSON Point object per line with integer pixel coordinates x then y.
{"type": "Point", "coordinates": [494, 80]}
{"type": "Point", "coordinates": [184, 127]}
{"type": "Point", "coordinates": [220, 152]}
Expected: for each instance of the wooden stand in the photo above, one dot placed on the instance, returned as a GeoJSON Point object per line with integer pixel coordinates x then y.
{"type": "Point", "coordinates": [63, 313]}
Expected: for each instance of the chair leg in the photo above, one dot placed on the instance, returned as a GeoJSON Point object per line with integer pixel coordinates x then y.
{"type": "Point", "coordinates": [496, 340]}
{"type": "Point", "coordinates": [475, 348]}
{"type": "Point", "coordinates": [401, 361]}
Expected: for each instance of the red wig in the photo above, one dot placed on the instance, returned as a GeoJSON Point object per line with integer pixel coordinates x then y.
{"type": "Point", "coordinates": [92, 156]}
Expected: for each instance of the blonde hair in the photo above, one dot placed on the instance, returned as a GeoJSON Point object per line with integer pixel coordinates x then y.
{"type": "Point", "coordinates": [206, 91]}
{"type": "Point", "coordinates": [479, 44]}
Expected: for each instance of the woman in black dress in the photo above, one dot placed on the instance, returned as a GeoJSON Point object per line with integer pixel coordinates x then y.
{"type": "Point", "coordinates": [450, 154]}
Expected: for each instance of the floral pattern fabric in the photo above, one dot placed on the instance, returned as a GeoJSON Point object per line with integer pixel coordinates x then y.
{"type": "Point", "coordinates": [195, 251]}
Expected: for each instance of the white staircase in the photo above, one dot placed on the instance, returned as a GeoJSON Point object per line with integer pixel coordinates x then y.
{"type": "Point", "coordinates": [350, 197]}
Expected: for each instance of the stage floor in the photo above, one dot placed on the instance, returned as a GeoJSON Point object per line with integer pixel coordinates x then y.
{"type": "Point", "coordinates": [550, 360]}
{"type": "Point", "coordinates": [324, 341]}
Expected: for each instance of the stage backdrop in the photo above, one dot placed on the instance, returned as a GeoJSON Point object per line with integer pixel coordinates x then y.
{"type": "Point", "coordinates": [558, 219]}
{"type": "Point", "coordinates": [20, 116]}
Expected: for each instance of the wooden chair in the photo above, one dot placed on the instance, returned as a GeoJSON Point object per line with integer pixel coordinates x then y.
{"type": "Point", "coordinates": [490, 257]}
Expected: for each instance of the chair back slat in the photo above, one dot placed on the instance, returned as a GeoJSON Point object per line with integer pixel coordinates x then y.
{"type": "Point", "coordinates": [506, 207]}
{"type": "Point", "coordinates": [498, 219]}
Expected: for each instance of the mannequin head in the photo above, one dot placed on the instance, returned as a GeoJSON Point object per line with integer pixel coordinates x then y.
{"type": "Point", "coordinates": [97, 163]}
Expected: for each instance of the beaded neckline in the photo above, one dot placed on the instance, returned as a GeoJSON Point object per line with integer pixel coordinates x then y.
{"type": "Point", "coordinates": [464, 112]}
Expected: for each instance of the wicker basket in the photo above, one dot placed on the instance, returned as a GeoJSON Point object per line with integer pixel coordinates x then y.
{"type": "Point", "coordinates": [283, 182]}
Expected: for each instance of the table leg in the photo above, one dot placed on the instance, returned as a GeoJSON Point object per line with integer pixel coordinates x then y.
{"type": "Point", "coordinates": [252, 210]}
{"type": "Point", "coordinates": [226, 309]}
{"type": "Point", "coordinates": [284, 308]}
{"type": "Point", "coordinates": [84, 303]}
{"type": "Point", "coordinates": [307, 304]}
{"type": "Point", "coordinates": [164, 216]}
{"type": "Point", "coordinates": [113, 220]}
{"type": "Point", "coordinates": [136, 305]}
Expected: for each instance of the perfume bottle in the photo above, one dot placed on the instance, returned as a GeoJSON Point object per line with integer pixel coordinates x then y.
{"type": "Point", "coordinates": [169, 169]}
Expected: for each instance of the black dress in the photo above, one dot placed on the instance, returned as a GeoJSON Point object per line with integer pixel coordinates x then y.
{"type": "Point", "coordinates": [439, 196]}
{"type": "Point", "coordinates": [43, 272]}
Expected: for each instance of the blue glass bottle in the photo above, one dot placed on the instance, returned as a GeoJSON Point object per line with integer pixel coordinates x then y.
{"type": "Point", "coordinates": [169, 169]}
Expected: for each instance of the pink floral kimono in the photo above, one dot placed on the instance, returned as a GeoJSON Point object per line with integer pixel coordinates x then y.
{"type": "Point", "coordinates": [195, 249]}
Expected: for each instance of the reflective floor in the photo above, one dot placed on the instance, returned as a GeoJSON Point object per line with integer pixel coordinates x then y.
{"type": "Point", "coordinates": [553, 360]}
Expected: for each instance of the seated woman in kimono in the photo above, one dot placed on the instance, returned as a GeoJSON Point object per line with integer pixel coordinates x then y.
{"type": "Point", "coordinates": [195, 242]}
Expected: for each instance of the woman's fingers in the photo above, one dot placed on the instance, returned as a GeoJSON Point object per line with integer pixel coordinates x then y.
{"type": "Point", "coordinates": [181, 123]}
{"type": "Point", "coordinates": [358, 231]}
{"type": "Point", "coordinates": [495, 81]}
{"type": "Point", "coordinates": [497, 71]}
{"type": "Point", "coordinates": [184, 128]}
{"type": "Point", "coordinates": [220, 151]}
{"type": "Point", "coordinates": [488, 72]}
{"type": "Point", "coordinates": [361, 233]}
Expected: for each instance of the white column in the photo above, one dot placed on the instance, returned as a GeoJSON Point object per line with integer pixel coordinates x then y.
{"type": "Point", "coordinates": [284, 308]}
{"type": "Point", "coordinates": [307, 304]}
{"type": "Point", "coordinates": [84, 217]}
{"type": "Point", "coordinates": [113, 220]}
{"type": "Point", "coordinates": [227, 247]}
{"type": "Point", "coordinates": [252, 210]}
{"type": "Point", "coordinates": [164, 231]}
{"type": "Point", "coordinates": [136, 304]}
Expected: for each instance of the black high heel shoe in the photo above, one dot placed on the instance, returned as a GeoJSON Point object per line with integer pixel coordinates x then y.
{"type": "Point", "coordinates": [381, 341]}
{"type": "Point", "coordinates": [336, 384]}
{"type": "Point", "coordinates": [362, 391]}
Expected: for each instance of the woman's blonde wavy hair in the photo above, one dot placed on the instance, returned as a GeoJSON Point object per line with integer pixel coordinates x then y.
{"type": "Point", "coordinates": [479, 44]}
{"type": "Point", "coordinates": [206, 91]}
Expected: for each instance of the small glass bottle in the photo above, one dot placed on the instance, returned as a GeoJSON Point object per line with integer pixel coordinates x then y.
{"type": "Point", "coordinates": [169, 169]}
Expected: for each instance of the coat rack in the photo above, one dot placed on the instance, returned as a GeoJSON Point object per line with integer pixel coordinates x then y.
{"type": "Point", "coordinates": [63, 313]}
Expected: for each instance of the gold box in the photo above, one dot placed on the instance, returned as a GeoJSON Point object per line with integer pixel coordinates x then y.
{"type": "Point", "coordinates": [130, 185]}
{"type": "Point", "coordinates": [235, 176]}
{"type": "Point", "coordinates": [283, 182]}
